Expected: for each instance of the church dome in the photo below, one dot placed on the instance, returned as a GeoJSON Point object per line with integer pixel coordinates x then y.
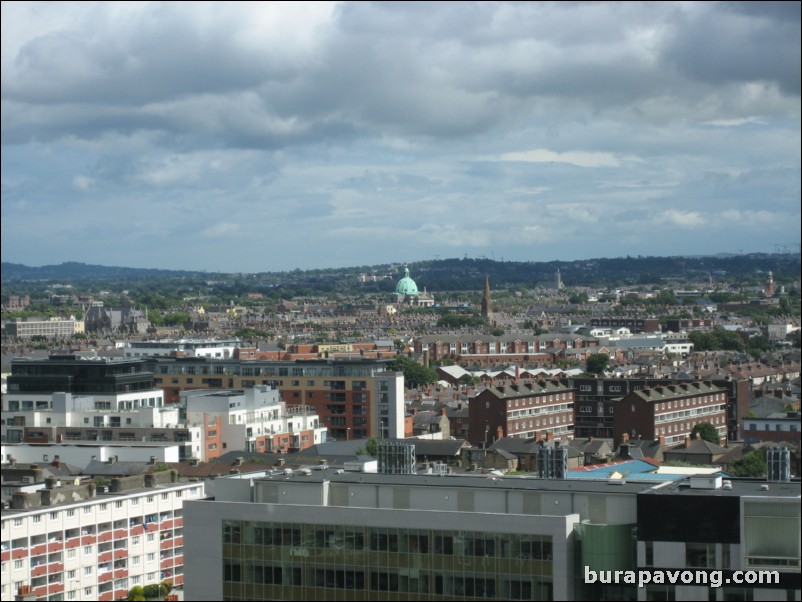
{"type": "Point", "coordinates": [406, 286]}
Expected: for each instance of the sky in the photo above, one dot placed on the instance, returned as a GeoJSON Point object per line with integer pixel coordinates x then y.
{"type": "Point", "coordinates": [270, 136]}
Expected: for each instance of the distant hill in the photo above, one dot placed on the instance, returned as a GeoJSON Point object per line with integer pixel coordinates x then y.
{"type": "Point", "coordinates": [72, 270]}
{"type": "Point", "coordinates": [447, 274]}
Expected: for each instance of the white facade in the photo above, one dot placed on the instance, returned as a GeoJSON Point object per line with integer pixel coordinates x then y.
{"type": "Point", "coordinates": [137, 409]}
{"type": "Point", "coordinates": [244, 418]}
{"type": "Point", "coordinates": [223, 349]}
{"type": "Point", "coordinates": [389, 416]}
{"type": "Point", "coordinates": [97, 548]}
{"type": "Point", "coordinates": [83, 453]}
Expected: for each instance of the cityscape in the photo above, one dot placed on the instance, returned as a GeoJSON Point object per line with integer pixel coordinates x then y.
{"type": "Point", "coordinates": [401, 301]}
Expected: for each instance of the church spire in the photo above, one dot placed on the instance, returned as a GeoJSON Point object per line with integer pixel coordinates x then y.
{"type": "Point", "coordinates": [487, 307]}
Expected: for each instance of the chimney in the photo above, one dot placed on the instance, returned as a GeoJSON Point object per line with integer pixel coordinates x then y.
{"type": "Point", "coordinates": [625, 437]}
{"type": "Point", "coordinates": [442, 411]}
{"type": "Point", "coordinates": [56, 462]}
{"type": "Point", "coordinates": [687, 442]}
{"type": "Point", "coordinates": [12, 460]}
{"type": "Point", "coordinates": [661, 440]}
{"type": "Point", "coordinates": [50, 482]}
{"type": "Point", "coordinates": [499, 433]}
{"type": "Point", "coordinates": [238, 461]}
{"type": "Point", "coordinates": [152, 461]}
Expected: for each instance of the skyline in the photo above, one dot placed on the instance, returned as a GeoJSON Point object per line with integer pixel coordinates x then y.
{"type": "Point", "coordinates": [257, 137]}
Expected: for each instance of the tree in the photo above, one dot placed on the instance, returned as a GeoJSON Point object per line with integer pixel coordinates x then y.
{"type": "Point", "coordinates": [706, 431]}
{"type": "Point", "coordinates": [597, 363]}
{"type": "Point", "coordinates": [415, 375]}
{"type": "Point", "coordinates": [753, 464]}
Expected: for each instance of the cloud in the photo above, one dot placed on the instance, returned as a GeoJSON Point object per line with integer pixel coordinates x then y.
{"type": "Point", "coordinates": [682, 219]}
{"type": "Point", "coordinates": [539, 129]}
{"type": "Point", "coordinates": [579, 158]}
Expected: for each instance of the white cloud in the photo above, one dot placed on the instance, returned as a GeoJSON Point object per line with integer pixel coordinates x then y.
{"type": "Point", "coordinates": [579, 158]}
{"type": "Point", "coordinates": [682, 219]}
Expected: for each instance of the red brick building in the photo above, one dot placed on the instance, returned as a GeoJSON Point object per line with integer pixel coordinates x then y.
{"type": "Point", "coordinates": [670, 411]}
{"type": "Point", "coordinates": [521, 410]}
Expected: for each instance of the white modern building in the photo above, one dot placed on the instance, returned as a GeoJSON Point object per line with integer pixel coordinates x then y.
{"type": "Point", "coordinates": [254, 419]}
{"type": "Point", "coordinates": [72, 542]}
{"type": "Point", "coordinates": [213, 348]}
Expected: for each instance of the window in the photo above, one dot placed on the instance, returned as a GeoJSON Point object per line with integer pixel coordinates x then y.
{"type": "Point", "coordinates": [135, 540]}
{"type": "Point", "coordinates": [151, 556]}
{"type": "Point", "coordinates": [87, 571]}
{"type": "Point", "coordinates": [135, 560]}
{"type": "Point", "coordinates": [87, 550]}
{"type": "Point", "coordinates": [71, 574]}
{"type": "Point", "coordinates": [151, 536]}
{"type": "Point", "coordinates": [36, 519]}
{"type": "Point", "coordinates": [165, 496]}
{"type": "Point", "coordinates": [700, 555]}
{"type": "Point", "coordinates": [135, 501]}
{"type": "Point", "coordinates": [17, 522]}
{"type": "Point", "coordinates": [118, 504]}
{"type": "Point", "coordinates": [103, 507]}
{"type": "Point", "coordinates": [72, 552]}
{"type": "Point", "coordinates": [150, 499]}
{"type": "Point", "coordinates": [54, 516]}
{"type": "Point", "coordinates": [87, 509]}
{"type": "Point", "coordinates": [70, 513]}
{"type": "Point", "coordinates": [18, 564]}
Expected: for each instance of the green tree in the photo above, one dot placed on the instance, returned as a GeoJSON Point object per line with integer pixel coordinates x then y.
{"type": "Point", "coordinates": [597, 363]}
{"type": "Point", "coordinates": [753, 464]}
{"type": "Point", "coordinates": [415, 375]}
{"type": "Point", "coordinates": [706, 431]}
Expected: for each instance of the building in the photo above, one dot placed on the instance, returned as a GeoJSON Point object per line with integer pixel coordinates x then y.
{"type": "Point", "coordinates": [333, 535]}
{"type": "Point", "coordinates": [112, 320]}
{"type": "Point", "coordinates": [670, 411]}
{"type": "Point", "coordinates": [513, 347]}
{"type": "Point", "coordinates": [407, 293]}
{"type": "Point", "coordinates": [779, 427]}
{"type": "Point", "coordinates": [682, 324]}
{"type": "Point", "coordinates": [354, 398]}
{"type": "Point", "coordinates": [726, 526]}
{"type": "Point", "coordinates": [77, 542]}
{"type": "Point", "coordinates": [51, 328]}
{"type": "Point", "coordinates": [363, 536]}
{"type": "Point", "coordinates": [524, 410]}
{"type": "Point", "coordinates": [634, 324]}
{"type": "Point", "coordinates": [67, 391]}
{"type": "Point", "coordinates": [595, 402]}
{"type": "Point", "coordinates": [253, 420]}
{"type": "Point", "coordinates": [216, 348]}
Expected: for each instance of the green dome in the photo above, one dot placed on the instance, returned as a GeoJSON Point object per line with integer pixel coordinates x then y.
{"type": "Point", "coordinates": [406, 286]}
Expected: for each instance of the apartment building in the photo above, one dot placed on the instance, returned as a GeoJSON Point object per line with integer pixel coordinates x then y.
{"type": "Point", "coordinates": [354, 398]}
{"type": "Point", "coordinates": [633, 324]}
{"type": "Point", "coordinates": [217, 348]}
{"type": "Point", "coordinates": [523, 410]}
{"type": "Point", "coordinates": [670, 411]}
{"type": "Point", "coordinates": [512, 347]}
{"type": "Point", "coordinates": [595, 402]}
{"type": "Point", "coordinates": [76, 542]}
{"type": "Point", "coordinates": [255, 420]}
